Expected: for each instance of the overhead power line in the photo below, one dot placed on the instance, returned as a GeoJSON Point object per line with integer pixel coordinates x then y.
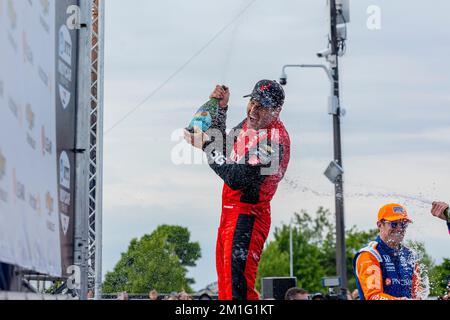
{"type": "Point", "coordinates": [181, 68]}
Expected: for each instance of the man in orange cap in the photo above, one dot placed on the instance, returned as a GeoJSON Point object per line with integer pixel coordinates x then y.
{"type": "Point", "coordinates": [386, 269]}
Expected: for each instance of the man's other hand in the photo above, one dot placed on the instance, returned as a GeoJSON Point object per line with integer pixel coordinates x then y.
{"type": "Point", "coordinates": [196, 139]}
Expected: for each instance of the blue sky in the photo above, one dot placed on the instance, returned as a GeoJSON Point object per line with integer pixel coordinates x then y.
{"type": "Point", "coordinates": [396, 134]}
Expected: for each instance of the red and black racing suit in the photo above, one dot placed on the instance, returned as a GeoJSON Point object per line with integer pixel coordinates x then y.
{"type": "Point", "coordinates": [251, 163]}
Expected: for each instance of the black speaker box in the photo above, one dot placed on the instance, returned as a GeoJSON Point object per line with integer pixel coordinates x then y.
{"type": "Point", "coordinates": [276, 288]}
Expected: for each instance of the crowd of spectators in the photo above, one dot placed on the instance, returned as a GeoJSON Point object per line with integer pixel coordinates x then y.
{"type": "Point", "coordinates": [154, 295]}
{"type": "Point", "coordinates": [291, 294]}
{"type": "Point", "coordinates": [302, 294]}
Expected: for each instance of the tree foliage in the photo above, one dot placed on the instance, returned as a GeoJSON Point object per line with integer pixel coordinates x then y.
{"type": "Point", "coordinates": [439, 276]}
{"type": "Point", "coordinates": [156, 261]}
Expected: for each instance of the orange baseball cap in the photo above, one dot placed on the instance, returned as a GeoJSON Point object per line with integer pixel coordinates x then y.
{"type": "Point", "coordinates": [393, 212]}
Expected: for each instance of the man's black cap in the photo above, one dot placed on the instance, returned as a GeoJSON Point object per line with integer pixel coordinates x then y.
{"type": "Point", "coordinates": [268, 93]}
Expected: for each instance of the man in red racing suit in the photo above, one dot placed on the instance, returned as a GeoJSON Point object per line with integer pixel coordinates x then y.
{"type": "Point", "coordinates": [252, 162]}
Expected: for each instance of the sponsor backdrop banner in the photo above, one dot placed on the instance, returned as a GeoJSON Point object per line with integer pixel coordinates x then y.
{"type": "Point", "coordinates": [37, 88]}
{"type": "Point", "coordinates": [66, 76]}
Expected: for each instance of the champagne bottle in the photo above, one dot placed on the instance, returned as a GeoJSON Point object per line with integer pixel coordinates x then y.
{"type": "Point", "coordinates": [447, 214]}
{"type": "Point", "coordinates": [206, 115]}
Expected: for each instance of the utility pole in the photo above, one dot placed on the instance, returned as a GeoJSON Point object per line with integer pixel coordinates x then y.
{"type": "Point", "coordinates": [341, 264]}
{"type": "Point", "coordinates": [339, 17]}
{"type": "Point", "coordinates": [291, 252]}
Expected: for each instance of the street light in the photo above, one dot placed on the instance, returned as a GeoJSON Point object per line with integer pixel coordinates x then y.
{"type": "Point", "coordinates": [283, 77]}
{"type": "Point", "coordinates": [333, 102]}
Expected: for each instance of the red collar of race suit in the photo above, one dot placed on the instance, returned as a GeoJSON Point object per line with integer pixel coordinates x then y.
{"type": "Point", "coordinates": [249, 139]}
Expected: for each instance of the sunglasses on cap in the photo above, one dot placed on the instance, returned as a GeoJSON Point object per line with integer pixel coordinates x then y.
{"type": "Point", "coordinates": [394, 224]}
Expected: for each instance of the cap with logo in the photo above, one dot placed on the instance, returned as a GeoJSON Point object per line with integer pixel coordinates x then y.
{"type": "Point", "coordinates": [393, 212]}
{"type": "Point", "coordinates": [269, 93]}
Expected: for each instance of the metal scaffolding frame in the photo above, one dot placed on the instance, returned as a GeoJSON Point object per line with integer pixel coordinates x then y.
{"type": "Point", "coordinates": [89, 191]}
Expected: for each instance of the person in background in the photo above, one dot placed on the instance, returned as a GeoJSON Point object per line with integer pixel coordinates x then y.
{"type": "Point", "coordinates": [153, 295]}
{"type": "Point", "coordinates": [173, 296]}
{"type": "Point", "coordinates": [90, 295]}
{"type": "Point", "coordinates": [355, 294]}
{"type": "Point", "coordinates": [122, 296]}
{"type": "Point", "coordinates": [349, 295]}
{"type": "Point", "coordinates": [318, 296]}
{"type": "Point", "coordinates": [297, 294]}
{"type": "Point", "coordinates": [184, 296]}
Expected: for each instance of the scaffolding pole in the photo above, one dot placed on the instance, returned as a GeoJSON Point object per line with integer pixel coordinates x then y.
{"type": "Point", "coordinates": [97, 73]}
{"type": "Point", "coordinates": [89, 161]}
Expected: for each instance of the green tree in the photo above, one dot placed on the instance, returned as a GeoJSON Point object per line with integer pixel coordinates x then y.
{"type": "Point", "coordinates": [438, 278]}
{"type": "Point", "coordinates": [178, 238]}
{"type": "Point", "coordinates": [156, 261]}
{"type": "Point", "coordinates": [310, 236]}
{"type": "Point", "coordinates": [273, 262]}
